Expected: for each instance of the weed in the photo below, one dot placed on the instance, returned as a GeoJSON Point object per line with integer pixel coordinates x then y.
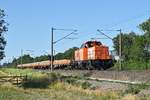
{"type": "Point", "coordinates": [36, 82]}
{"type": "Point", "coordinates": [85, 85]}
{"type": "Point", "coordinates": [135, 89]}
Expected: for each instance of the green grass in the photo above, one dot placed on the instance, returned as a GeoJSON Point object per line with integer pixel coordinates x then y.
{"type": "Point", "coordinates": [58, 91]}
{"type": "Point", "coordinates": [37, 79]}
{"type": "Point", "coordinates": [2, 73]}
{"type": "Point", "coordinates": [34, 79]}
{"type": "Point", "coordinates": [61, 91]}
{"type": "Point", "coordinates": [14, 71]}
{"type": "Point", "coordinates": [42, 86]}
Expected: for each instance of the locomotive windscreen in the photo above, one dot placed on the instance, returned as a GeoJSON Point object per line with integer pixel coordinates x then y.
{"type": "Point", "coordinates": [90, 44]}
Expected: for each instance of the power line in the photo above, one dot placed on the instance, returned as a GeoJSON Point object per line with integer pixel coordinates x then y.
{"type": "Point", "coordinates": [104, 34]}
{"type": "Point", "coordinates": [64, 37]}
{"type": "Point", "coordinates": [129, 19]}
{"type": "Point", "coordinates": [71, 38]}
{"type": "Point", "coordinates": [64, 29]}
{"type": "Point", "coordinates": [98, 38]}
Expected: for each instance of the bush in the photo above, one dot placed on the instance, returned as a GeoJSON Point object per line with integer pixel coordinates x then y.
{"type": "Point", "coordinates": [41, 81]}
{"type": "Point", "coordinates": [85, 85]}
{"type": "Point", "coordinates": [135, 89]}
{"type": "Point", "coordinates": [132, 90]}
{"type": "Point", "coordinates": [36, 82]}
{"type": "Point", "coordinates": [70, 80]}
{"type": "Point", "coordinates": [88, 74]}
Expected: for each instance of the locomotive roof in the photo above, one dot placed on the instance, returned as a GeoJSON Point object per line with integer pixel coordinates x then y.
{"type": "Point", "coordinates": [93, 42]}
{"type": "Point", "coordinates": [90, 44]}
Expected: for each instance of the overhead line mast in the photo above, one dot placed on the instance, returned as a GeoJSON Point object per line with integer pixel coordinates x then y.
{"type": "Point", "coordinates": [120, 43]}
{"type": "Point", "coordinates": [54, 42]}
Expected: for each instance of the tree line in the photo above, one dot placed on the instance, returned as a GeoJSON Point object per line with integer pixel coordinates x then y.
{"type": "Point", "coordinates": [135, 48]}
{"type": "Point", "coordinates": [68, 54]}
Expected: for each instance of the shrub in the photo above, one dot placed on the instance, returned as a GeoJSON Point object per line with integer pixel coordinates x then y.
{"type": "Point", "coordinates": [41, 81]}
{"type": "Point", "coordinates": [70, 80]}
{"type": "Point", "coordinates": [88, 74]}
{"type": "Point", "coordinates": [132, 90]}
{"type": "Point", "coordinates": [135, 89]}
{"type": "Point", "coordinates": [36, 82]}
{"type": "Point", "coordinates": [85, 85]}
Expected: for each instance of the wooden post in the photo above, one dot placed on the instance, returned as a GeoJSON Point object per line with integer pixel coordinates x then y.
{"type": "Point", "coordinates": [26, 77]}
{"type": "Point", "coordinates": [120, 49]}
{"type": "Point", "coordinates": [17, 80]}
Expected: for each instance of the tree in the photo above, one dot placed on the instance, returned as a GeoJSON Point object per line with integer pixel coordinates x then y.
{"type": "Point", "coordinates": [145, 26]}
{"type": "Point", "coordinates": [3, 28]}
{"type": "Point", "coordinates": [127, 43]}
{"type": "Point", "coordinates": [133, 47]}
{"type": "Point", "coordinates": [41, 58]}
{"type": "Point", "coordinates": [24, 59]}
{"type": "Point", "coordinates": [68, 54]}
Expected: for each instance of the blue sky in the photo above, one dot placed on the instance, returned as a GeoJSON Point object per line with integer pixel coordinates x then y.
{"type": "Point", "coordinates": [31, 21]}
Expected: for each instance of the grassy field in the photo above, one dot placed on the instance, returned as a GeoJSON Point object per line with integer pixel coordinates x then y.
{"type": "Point", "coordinates": [53, 88]}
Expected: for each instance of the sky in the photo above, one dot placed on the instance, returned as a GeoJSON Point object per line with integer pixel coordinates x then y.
{"type": "Point", "coordinates": [30, 22]}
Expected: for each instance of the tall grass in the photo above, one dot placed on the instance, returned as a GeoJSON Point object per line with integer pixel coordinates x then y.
{"type": "Point", "coordinates": [94, 94]}
{"type": "Point", "coordinates": [133, 65]}
{"type": "Point", "coordinates": [57, 91]}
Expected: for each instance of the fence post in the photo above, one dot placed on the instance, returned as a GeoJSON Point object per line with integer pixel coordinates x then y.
{"type": "Point", "coordinates": [26, 77]}
{"type": "Point", "coordinates": [17, 80]}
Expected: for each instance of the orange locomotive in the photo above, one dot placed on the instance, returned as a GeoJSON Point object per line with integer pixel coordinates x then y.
{"type": "Point", "coordinates": [91, 55]}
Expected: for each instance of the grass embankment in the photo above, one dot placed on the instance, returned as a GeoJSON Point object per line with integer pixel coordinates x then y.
{"type": "Point", "coordinates": [58, 91]}
{"type": "Point", "coordinates": [42, 86]}
{"type": "Point", "coordinates": [51, 86]}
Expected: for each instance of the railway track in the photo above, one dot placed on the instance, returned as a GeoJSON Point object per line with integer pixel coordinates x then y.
{"type": "Point", "coordinates": [130, 76]}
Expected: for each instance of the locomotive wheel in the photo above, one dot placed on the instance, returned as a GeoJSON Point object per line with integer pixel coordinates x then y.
{"type": "Point", "coordinates": [89, 65]}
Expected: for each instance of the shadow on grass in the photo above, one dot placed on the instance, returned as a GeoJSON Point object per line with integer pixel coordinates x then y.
{"type": "Point", "coordinates": [40, 82]}
{"type": "Point", "coordinates": [36, 83]}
